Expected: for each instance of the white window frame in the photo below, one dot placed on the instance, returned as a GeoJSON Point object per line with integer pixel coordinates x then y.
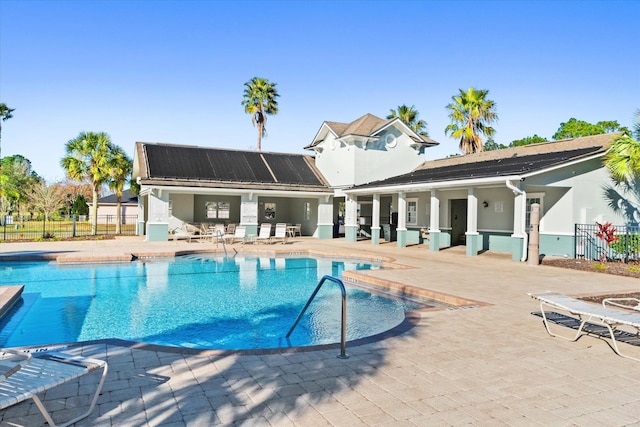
{"type": "Point", "coordinates": [415, 211]}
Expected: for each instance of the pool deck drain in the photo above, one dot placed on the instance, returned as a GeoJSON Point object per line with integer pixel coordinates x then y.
{"type": "Point", "coordinates": [491, 365]}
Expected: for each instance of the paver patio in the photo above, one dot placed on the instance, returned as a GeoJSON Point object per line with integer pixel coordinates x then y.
{"type": "Point", "coordinates": [486, 365]}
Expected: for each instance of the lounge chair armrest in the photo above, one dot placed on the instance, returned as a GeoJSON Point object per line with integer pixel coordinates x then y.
{"type": "Point", "coordinates": [629, 303]}
{"type": "Point", "coordinates": [11, 361]}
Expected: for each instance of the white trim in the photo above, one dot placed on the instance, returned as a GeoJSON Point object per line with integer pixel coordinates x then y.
{"type": "Point", "coordinates": [420, 187]}
{"type": "Point", "coordinates": [409, 201]}
{"type": "Point", "coordinates": [235, 191]}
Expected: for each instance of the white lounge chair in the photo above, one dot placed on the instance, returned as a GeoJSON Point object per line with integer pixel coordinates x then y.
{"type": "Point", "coordinates": [264, 235]}
{"type": "Point", "coordinates": [25, 375]}
{"type": "Point", "coordinates": [611, 318]}
{"type": "Point", "coordinates": [238, 236]}
{"type": "Point", "coordinates": [281, 232]}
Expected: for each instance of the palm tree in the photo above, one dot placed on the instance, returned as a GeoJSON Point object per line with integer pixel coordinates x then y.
{"type": "Point", "coordinates": [259, 100]}
{"type": "Point", "coordinates": [87, 159]}
{"type": "Point", "coordinates": [409, 116]}
{"type": "Point", "coordinates": [623, 158]}
{"type": "Point", "coordinates": [120, 167]}
{"type": "Point", "coordinates": [471, 114]}
{"type": "Point", "coordinates": [5, 114]}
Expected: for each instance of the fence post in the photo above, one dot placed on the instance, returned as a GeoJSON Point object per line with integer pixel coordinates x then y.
{"type": "Point", "coordinates": [73, 226]}
{"type": "Point", "coordinates": [626, 245]}
{"type": "Point", "coordinates": [5, 227]}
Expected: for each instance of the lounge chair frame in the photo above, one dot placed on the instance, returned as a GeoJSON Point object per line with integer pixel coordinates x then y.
{"type": "Point", "coordinates": [39, 373]}
{"type": "Point", "coordinates": [610, 318]}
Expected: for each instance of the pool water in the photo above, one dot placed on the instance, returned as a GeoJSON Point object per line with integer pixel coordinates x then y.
{"type": "Point", "coordinates": [192, 301]}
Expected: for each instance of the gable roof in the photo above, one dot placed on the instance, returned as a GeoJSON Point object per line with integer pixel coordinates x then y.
{"type": "Point", "coordinates": [366, 126]}
{"type": "Point", "coordinates": [213, 167]}
{"type": "Point", "coordinates": [518, 161]}
{"type": "Point", "coordinates": [128, 198]}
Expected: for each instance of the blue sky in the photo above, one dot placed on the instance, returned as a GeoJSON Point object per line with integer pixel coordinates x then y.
{"type": "Point", "coordinates": [173, 71]}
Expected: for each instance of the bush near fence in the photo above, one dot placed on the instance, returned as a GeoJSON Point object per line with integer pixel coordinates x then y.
{"type": "Point", "coordinates": [590, 246]}
{"type": "Point", "coordinates": [63, 227]}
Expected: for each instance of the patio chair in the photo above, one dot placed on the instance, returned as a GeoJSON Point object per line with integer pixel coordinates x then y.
{"type": "Point", "coordinates": [297, 228]}
{"type": "Point", "coordinates": [206, 231]}
{"type": "Point", "coordinates": [25, 375]}
{"type": "Point", "coordinates": [186, 231]}
{"type": "Point", "coordinates": [281, 232]}
{"type": "Point", "coordinates": [610, 318]}
{"type": "Point", "coordinates": [238, 236]}
{"type": "Point", "coordinates": [264, 235]}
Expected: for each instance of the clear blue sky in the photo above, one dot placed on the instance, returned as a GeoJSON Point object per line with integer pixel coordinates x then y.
{"type": "Point", "coordinates": [173, 71]}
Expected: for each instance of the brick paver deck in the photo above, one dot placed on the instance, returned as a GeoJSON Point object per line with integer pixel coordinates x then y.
{"type": "Point", "coordinates": [493, 364]}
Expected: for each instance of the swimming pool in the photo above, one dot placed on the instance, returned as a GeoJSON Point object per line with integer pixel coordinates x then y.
{"type": "Point", "coordinates": [194, 301]}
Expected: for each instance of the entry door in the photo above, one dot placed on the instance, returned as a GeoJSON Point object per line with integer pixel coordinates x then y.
{"type": "Point", "coordinates": [458, 221]}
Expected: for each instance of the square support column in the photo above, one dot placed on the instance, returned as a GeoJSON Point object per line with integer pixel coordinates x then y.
{"type": "Point", "coordinates": [375, 220]}
{"type": "Point", "coordinates": [140, 229]}
{"type": "Point", "coordinates": [434, 224]}
{"type": "Point", "coordinates": [402, 221]}
{"type": "Point", "coordinates": [472, 237]}
{"type": "Point", "coordinates": [249, 213]}
{"type": "Point", "coordinates": [350, 219]}
{"type": "Point", "coordinates": [158, 223]}
{"type": "Point", "coordinates": [325, 218]}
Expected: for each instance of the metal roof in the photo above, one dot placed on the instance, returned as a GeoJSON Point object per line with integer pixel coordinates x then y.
{"type": "Point", "coordinates": [179, 162]}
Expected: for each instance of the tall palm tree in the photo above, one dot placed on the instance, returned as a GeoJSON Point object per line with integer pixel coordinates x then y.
{"type": "Point", "coordinates": [409, 116]}
{"type": "Point", "coordinates": [120, 167]}
{"type": "Point", "coordinates": [5, 114]}
{"type": "Point", "coordinates": [471, 114]}
{"type": "Point", "coordinates": [259, 100]}
{"type": "Point", "coordinates": [87, 159]}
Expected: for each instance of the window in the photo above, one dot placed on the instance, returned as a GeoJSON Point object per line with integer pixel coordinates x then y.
{"type": "Point", "coordinates": [223, 210]}
{"type": "Point", "coordinates": [307, 211]}
{"type": "Point", "coordinates": [212, 209]}
{"type": "Point", "coordinates": [412, 211]}
{"type": "Point", "coordinates": [269, 211]}
{"type": "Point", "coordinates": [215, 210]}
{"type": "Point", "coordinates": [531, 199]}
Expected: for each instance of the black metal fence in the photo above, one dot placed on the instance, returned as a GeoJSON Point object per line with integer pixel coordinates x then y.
{"type": "Point", "coordinates": [589, 246]}
{"type": "Point", "coordinates": [12, 228]}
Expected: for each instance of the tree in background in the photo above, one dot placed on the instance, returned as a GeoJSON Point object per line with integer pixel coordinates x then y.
{"type": "Point", "coordinates": [17, 180]}
{"type": "Point", "coordinates": [491, 145]}
{"type": "Point", "coordinates": [528, 140]}
{"type": "Point", "coordinates": [471, 113]}
{"type": "Point", "coordinates": [259, 100]}
{"type": "Point", "coordinates": [577, 128]}
{"type": "Point", "coordinates": [80, 206]}
{"type": "Point", "coordinates": [87, 159]}
{"type": "Point", "coordinates": [409, 116]}
{"type": "Point", "coordinates": [5, 114]}
{"type": "Point", "coordinates": [46, 199]}
{"type": "Point", "coordinates": [120, 167]}
{"type": "Point", "coordinates": [72, 190]}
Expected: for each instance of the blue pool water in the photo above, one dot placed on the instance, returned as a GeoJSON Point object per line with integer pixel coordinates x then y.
{"type": "Point", "coordinates": [193, 301]}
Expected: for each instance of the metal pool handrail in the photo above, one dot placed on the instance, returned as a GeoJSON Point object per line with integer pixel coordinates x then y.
{"type": "Point", "coordinates": [220, 238]}
{"type": "Point", "coordinates": [343, 333]}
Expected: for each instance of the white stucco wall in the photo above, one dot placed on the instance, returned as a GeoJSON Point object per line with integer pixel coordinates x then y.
{"type": "Point", "coordinates": [354, 163]}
